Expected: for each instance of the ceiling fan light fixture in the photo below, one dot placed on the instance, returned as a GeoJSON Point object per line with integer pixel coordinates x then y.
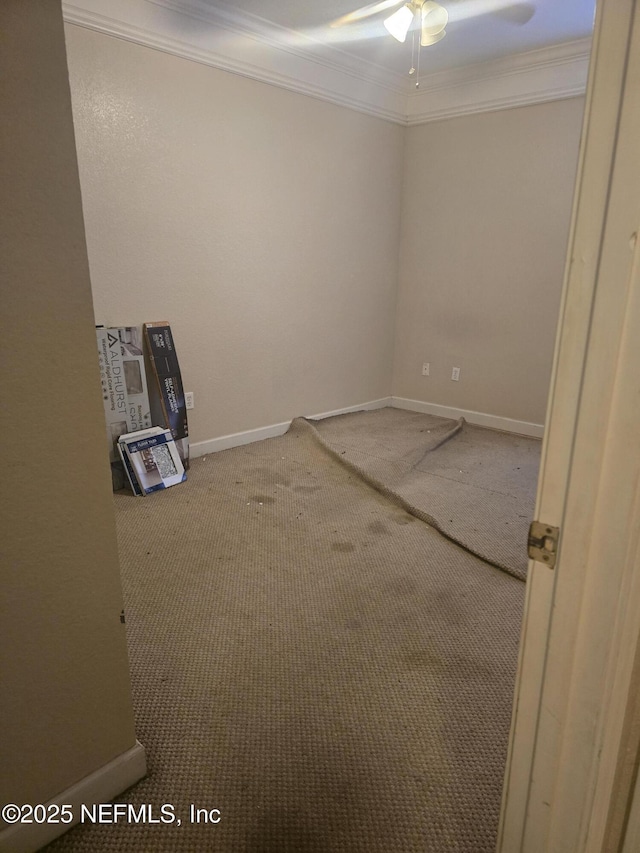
{"type": "Point", "coordinates": [427, 40]}
{"type": "Point", "coordinates": [434, 18]}
{"type": "Point", "coordinates": [398, 24]}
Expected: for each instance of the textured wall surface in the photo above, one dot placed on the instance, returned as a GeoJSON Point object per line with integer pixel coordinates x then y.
{"type": "Point", "coordinates": [263, 224]}
{"type": "Point", "coordinates": [485, 221]}
{"type": "Point", "coordinates": [66, 705]}
{"type": "Point", "coordinates": [266, 226]}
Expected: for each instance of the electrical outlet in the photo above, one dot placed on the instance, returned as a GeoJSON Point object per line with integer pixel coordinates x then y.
{"type": "Point", "coordinates": [188, 399]}
{"type": "Point", "coordinates": [425, 368]}
{"type": "Point", "coordinates": [455, 374]}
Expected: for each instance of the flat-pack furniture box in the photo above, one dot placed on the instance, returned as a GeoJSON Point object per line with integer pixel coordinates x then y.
{"type": "Point", "coordinates": [166, 393]}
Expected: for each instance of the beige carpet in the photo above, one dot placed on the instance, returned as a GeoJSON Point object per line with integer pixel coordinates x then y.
{"type": "Point", "coordinates": [477, 486]}
{"type": "Point", "coordinates": [329, 672]}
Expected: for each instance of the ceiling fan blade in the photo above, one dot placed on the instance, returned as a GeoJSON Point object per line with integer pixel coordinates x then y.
{"type": "Point", "coordinates": [509, 11]}
{"type": "Point", "coordinates": [365, 12]}
{"type": "Point", "coordinates": [517, 13]}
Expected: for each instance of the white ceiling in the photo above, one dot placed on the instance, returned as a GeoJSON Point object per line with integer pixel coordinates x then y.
{"type": "Point", "coordinates": [473, 33]}
{"type": "Point", "coordinates": [483, 63]}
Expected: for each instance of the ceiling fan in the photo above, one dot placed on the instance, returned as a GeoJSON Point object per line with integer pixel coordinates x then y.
{"type": "Point", "coordinates": [430, 18]}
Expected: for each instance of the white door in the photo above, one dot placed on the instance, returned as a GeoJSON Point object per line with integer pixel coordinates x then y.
{"type": "Point", "coordinates": [576, 721]}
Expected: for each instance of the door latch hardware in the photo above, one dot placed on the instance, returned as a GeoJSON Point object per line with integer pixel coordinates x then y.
{"type": "Point", "coordinates": [543, 543]}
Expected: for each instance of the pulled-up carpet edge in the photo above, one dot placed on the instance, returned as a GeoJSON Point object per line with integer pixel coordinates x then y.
{"type": "Point", "coordinates": [391, 494]}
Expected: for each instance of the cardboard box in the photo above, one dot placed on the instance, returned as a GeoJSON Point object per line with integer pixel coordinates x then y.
{"type": "Point", "coordinates": [151, 460]}
{"type": "Point", "coordinates": [114, 389]}
{"type": "Point", "coordinates": [135, 377]}
{"type": "Point", "coordinates": [166, 393]}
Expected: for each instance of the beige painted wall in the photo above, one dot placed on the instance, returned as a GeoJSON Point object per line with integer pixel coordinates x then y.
{"type": "Point", "coordinates": [485, 219]}
{"type": "Point", "coordinates": [66, 705]}
{"type": "Point", "coordinates": [263, 224]}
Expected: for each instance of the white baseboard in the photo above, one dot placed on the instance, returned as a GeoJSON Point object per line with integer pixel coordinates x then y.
{"type": "Point", "coordinates": [101, 786]}
{"type": "Point", "coordinates": [361, 407]}
{"type": "Point", "coordinates": [237, 439]}
{"type": "Point", "coordinates": [478, 418]}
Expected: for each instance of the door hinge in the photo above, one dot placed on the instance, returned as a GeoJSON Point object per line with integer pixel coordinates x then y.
{"type": "Point", "coordinates": [543, 543]}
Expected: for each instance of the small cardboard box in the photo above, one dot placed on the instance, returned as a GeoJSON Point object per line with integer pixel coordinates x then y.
{"type": "Point", "coordinates": [151, 460]}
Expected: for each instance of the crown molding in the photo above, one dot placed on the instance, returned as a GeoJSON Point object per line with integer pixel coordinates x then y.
{"type": "Point", "coordinates": [167, 25]}
{"type": "Point", "coordinates": [251, 47]}
{"type": "Point", "coordinates": [548, 74]}
{"type": "Point", "coordinates": [296, 43]}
